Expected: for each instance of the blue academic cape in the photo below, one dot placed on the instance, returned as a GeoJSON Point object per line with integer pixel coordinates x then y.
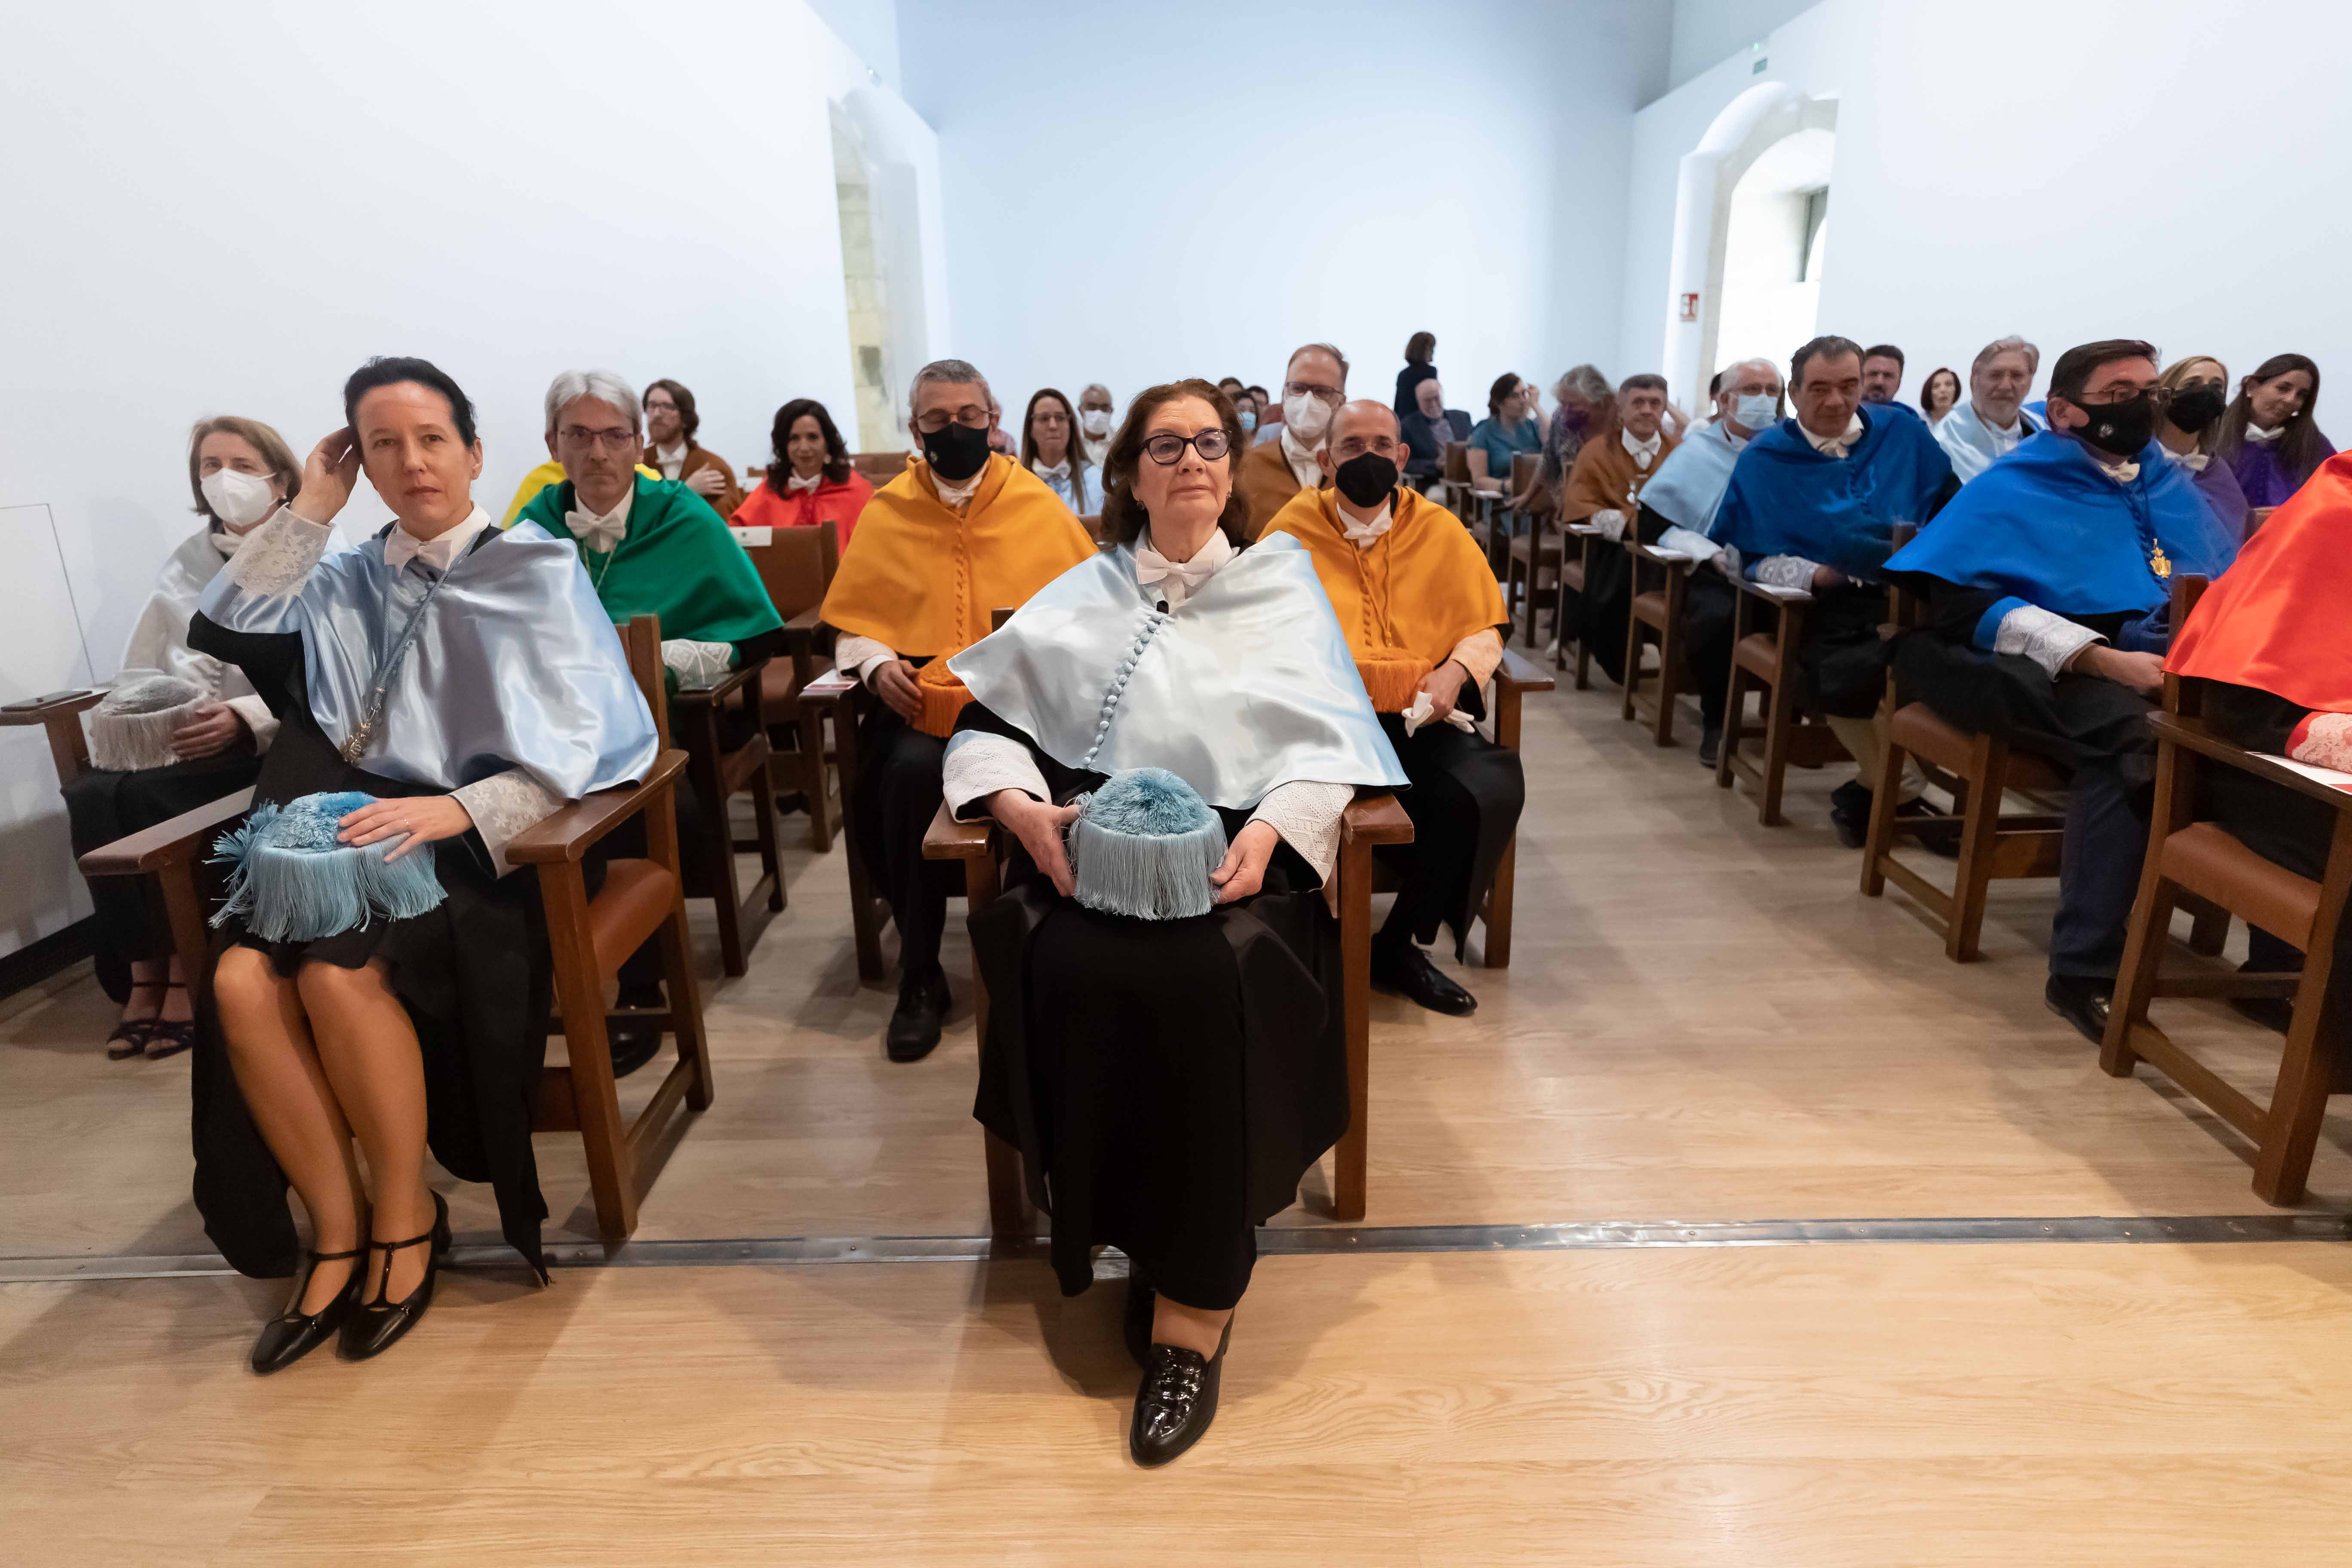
{"type": "Point", "coordinates": [2046, 526]}
{"type": "Point", "coordinates": [1786, 498]}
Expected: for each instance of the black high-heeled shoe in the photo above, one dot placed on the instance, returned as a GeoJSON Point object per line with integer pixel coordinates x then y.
{"type": "Point", "coordinates": [375, 1326]}
{"type": "Point", "coordinates": [1177, 1402]}
{"type": "Point", "coordinates": [294, 1334]}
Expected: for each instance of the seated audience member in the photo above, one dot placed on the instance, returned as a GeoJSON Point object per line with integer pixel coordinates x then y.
{"type": "Point", "coordinates": [1429, 428]}
{"type": "Point", "coordinates": [551, 472]}
{"type": "Point", "coordinates": [960, 534]}
{"type": "Point", "coordinates": [653, 547]}
{"type": "Point", "coordinates": [670, 426]}
{"type": "Point", "coordinates": [1604, 488]}
{"type": "Point", "coordinates": [1507, 431]}
{"type": "Point", "coordinates": [1000, 439]}
{"type": "Point", "coordinates": [1940, 394]}
{"type": "Point", "coordinates": [2049, 581]}
{"type": "Point", "coordinates": [1881, 373]}
{"type": "Point", "coordinates": [1269, 412]}
{"type": "Point", "coordinates": [1986, 428]}
{"type": "Point", "coordinates": [1812, 504]}
{"type": "Point", "coordinates": [2269, 434]}
{"type": "Point", "coordinates": [1408, 580]}
{"type": "Point", "coordinates": [1094, 424]}
{"type": "Point", "coordinates": [811, 480]}
{"type": "Point", "coordinates": [1583, 406]}
{"type": "Point", "coordinates": [1314, 384]}
{"type": "Point", "coordinates": [2195, 391]}
{"type": "Point", "coordinates": [239, 471]}
{"type": "Point", "coordinates": [1231, 387]}
{"type": "Point", "coordinates": [2274, 644]}
{"type": "Point", "coordinates": [1049, 449]}
{"type": "Point", "coordinates": [1420, 366]}
{"type": "Point", "coordinates": [439, 728]}
{"type": "Point", "coordinates": [1678, 508]}
{"type": "Point", "coordinates": [1192, 1064]}
{"type": "Point", "coordinates": [1245, 410]}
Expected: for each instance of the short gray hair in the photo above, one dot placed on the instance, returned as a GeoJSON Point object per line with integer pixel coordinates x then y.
{"type": "Point", "coordinates": [2004, 346]}
{"type": "Point", "coordinates": [601, 384]}
{"type": "Point", "coordinates": [1585, 380]}
{"type": "Point", "coordinates": [947, 373]}
{"type": "Point", "coordinates": [1319, 349]}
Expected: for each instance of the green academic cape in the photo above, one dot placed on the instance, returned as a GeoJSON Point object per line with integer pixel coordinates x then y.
{"type": "Point", "coordinates": [677, 561]}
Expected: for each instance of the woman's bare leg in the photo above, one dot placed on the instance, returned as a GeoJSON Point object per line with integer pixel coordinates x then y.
{"type": "Point", "coordinates": [1188, 1327]}
{"type": "Point", "coordinates": [285, 1089]}
{"type": "Point", "coordinates": [369, 1049]}
{"type": "Point", "coordinates": [146, 999]}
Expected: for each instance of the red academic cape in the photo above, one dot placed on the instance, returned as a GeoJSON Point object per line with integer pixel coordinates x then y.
{"type": "Point", "coordinates": [2281, 619]}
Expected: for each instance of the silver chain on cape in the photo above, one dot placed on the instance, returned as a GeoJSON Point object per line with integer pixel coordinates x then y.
{"type": "Point", "coordinates": [358, 742]}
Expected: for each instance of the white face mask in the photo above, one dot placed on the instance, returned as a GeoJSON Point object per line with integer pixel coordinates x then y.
{"type": "Point", "coordinates": [1095, 422]}
{"type": "Point", "coordinates": [238, 500]}
{"type": "Point", "coordinates": [1308, 416]}
{"type": "Point", "coordinates": [1755, 411]}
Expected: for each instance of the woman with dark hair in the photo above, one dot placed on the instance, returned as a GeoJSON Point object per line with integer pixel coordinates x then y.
{"type": "Point", "coordinates": [810, 479]}
{"type": "Point", "coordinates": [2269, 434]}
{"type": "Point", "coordinates": [1507, 431]}
{"type": "Point", "coordinates": [1420, 364]}
{"type": "Point", "coordinates": [1049, 449]}
{"type": "Point", "coordinates": [671, 422]}
{"type": "Point", "coordinates": [1940, 394]}
{"type": "Point", "coordinates": [384, 972]}
{"type": "Point", "coordinates": [1165, 1044]}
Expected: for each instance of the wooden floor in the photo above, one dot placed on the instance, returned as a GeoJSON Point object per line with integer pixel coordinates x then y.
{"type": "Point", "coordinates": [1705, 1021]}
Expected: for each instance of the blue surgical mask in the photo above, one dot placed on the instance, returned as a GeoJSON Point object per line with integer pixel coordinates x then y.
{"type": "Point", "coordinates": [1757, 411]}
{"type": "Point", "coordinates": [1249, 423]}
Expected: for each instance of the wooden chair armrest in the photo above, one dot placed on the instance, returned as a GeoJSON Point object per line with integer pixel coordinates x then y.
{"type": "Point", "coordinates": [1519, 673]}
{"type": "Point", "coordinates": [1774, 595]}
{"type": "Point", "coordinates": [185, 837]}
{"type": "Point", "coordinates": [40, 710]}
{"type": "Point", "coordinates": [948, 839]}
{"type": "Point", "coordinates": [832, 687]}
{"type": "Point", "coordinates": [1375, 819]}
{"type": "Point", "coordinates": [1670, 559]}
{"type": "Point", "coordinates": [718, 691]}
{"type": "Point", "coordinates": [2193, 734]}
{"type": "Point", "coordinates": [572, 831]}
{"type": "Point", "coordinates": [804, 633]}
{"type": "Point", "coordinates": [1584, 530]}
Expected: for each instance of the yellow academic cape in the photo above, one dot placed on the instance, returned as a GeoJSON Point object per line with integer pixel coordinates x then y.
{"type": "Point", "coordinates": [1406, 602]}
{"type": "Point", "coordinates": [549, 473]}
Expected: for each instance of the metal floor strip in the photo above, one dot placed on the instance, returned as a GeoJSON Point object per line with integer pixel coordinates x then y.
{"type": "Point", "coordinates": [487, 1252]}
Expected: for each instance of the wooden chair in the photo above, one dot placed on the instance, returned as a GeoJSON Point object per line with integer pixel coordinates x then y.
{"type": "Point", "coordinates": [1659, 610]}
{"type": "Point", "coordinates": [2186, 856]}
{"type": "Point", "coordinates": [718, 776]}
{"type": "Point", "coordinates": [1513, 678]}
{"type": "Point", "coordinates": [2256, 517]}
{"type": "Point", "coordinates": [879, 468]}
{"type": "Point", "coordinates": [796, 566]}
{"type": "Point", "coordinates": [60, 713]}
{"type": "Point", "coordinates": [1534, 552]}
{"type": "Point", "coordinates": [1766, 661]}
{"type": "Point", "coordinates": [1367, 824]}
{"type": "Point", "coordinates": [1474, 506]}
{"type": "Point", "coordinates": [588, 938]}
{"type": "Point", "coordinates": [1578, 542]}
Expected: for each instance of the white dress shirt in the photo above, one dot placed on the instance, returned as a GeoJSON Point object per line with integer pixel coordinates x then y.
{"type": "Point", "coordinates": [1303, 466]}
{"type": "Point", "coordinates": [670, 459]}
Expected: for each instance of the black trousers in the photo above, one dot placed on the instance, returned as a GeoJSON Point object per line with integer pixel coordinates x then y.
{"type": "Point", "coordinates": [1464, 802]}
{"type": "Point", "coordinates": [1708, 607]}
{"type": "Point", "coordinates": [898, 792]}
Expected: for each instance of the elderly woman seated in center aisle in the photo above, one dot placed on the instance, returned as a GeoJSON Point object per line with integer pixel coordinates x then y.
{"type": "Point", "coordinates": [439, 689]}
{"type": "Point", "coordinates": [1169, 1066]}
{"type": "Point", "coordinates": [2048, 578]}
{"type": "Point", "coordinates": [1423, 613]}
{"type": "Point", "coordinates": [810, 479]}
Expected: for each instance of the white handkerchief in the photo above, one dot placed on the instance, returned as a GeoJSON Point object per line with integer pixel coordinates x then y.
{"type": "Point", "coordinates": [1418, 714]}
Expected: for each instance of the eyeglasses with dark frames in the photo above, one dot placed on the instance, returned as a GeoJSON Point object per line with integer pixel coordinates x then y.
{"type": "Point", "coordinates": [1167, 449]}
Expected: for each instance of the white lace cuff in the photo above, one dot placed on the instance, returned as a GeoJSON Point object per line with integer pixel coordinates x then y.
{"type": "Point", "coordinates": [858, 656]}
{"type": "Point", "coordinates": [257, 718]}
{"type": "Point", "coordinates": [977, 765]}
{"type": "Point", "coordinates": [2046, 638]}
{"type": "Point", "coordinates": [1611, 523]}
{"type": "Point", "coordinates": [2326, 742]}
{"type": "Point", "coordinates": [698, 663]}
{"type": "Point", "coordinates": [1785, 571]}
{"type": "Point", "coordinates": [1480, 653]}
{"type": "Point", "coordinates": [503, 806]}
{"type": "Point", "coordinates": [279, 554]}
{"type": "Point", "coordinates": [1307, 815]}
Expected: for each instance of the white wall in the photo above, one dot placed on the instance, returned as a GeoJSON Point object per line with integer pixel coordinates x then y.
{"type": "Point", "coordinates": [2089, 177]}
{"type": "Point", "coordinates": [226, 208]}
{"type": "Point", "coordinates": [1707, 32]}
{"type": "Point", "coordinates": [1137, 192]}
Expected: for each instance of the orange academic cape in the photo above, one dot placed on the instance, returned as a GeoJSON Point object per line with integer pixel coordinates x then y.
{"type": "Point", "coordinates": [2281, 619]}
{"type": "Point", "coordinates": [1422, 587]}
{"type": "Point", "coordinates": [1603, 474]}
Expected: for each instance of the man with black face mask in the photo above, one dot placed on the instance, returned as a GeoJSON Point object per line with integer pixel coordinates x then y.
{"type": "Point", "coordinates": [963, 533]}
{"type": "Point", "coordinates": [2049, 578]}
{"type": "Point", "coordinates": [1422, 613]}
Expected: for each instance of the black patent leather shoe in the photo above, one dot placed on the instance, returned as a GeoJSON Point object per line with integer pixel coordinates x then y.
{"type": "Point", "coordinates": [922, 1009]}
{"type": "Point", "coordinates": [375, 1326]}
{"type": "Point", "coordinates": [634, 1041]}
{"type": "Point", "coordinates": [1406, 969]}
{"type": "Point", "coordinates": [1177, 1402]}
{"type": "Point", "coordinates": [2082, 1000]}
{"type": "Point", "coordinates": [1136, 1319]}
{"type": "Point", "coordinates": [294, 1334]}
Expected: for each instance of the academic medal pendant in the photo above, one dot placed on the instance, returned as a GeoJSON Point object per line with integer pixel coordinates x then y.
{"type": "Point", "coordinates": [2159, 563]}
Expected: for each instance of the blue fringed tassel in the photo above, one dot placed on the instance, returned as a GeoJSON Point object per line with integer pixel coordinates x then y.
{"type": "Point", "coordinates": [292, 883]}
{"type": "Point", "coordinates": [1144, 846]}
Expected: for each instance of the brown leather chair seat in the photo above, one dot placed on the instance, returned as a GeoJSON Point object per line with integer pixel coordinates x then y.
{"type": "Point", "coordinates": [2208, 859]}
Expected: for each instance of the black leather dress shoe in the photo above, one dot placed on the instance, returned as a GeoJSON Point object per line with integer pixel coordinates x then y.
{"type": "Point", "coordinates": [294, 1334]}
{"type": "Point", "coordinates": [2082, 1000]}
{"type": "Point", "coordinates": [1177, 1402]}
{"type": "Point", "coordinates": [633, 1043]}
{"type": "Point", "coordinates": [1850, 816]}
{"type": "Point", "coordinates": [1405, 969]}
{"type": "Point", "coordinates": [1710, 745]}
{"type": "Point", "coordinates": [1941, 839]}
{"type": "Point", "coordinates": [1135, 1317]}
{"type": "Point", "coordinates": [914, 1024]}
{"type": "Point", "coordinates": [377, 1325]}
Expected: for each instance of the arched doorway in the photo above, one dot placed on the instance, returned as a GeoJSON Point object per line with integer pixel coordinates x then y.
{"type": "Point", "coordinates": [1787, 141]}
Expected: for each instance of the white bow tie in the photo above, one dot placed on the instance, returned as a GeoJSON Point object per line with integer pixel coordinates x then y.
{"type": "Point", "coordinates": [600, 534]}
{"type": "Point", "coordinates": [1362, 533]}
{"type": "Point", "coordinates": [795, 482]}
{"type": "Point", "coordinates": [1151, 566]}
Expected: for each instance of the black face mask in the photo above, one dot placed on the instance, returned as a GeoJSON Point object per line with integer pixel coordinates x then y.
{"type": "Point", "coordinates": [2196, 405]}
{"type": "Point", "coordinates": [1365, 478]}
{"type": "Point", "coordinates": [2121, 429]}
{"type": "Point", "coordinates": [956, 453]}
